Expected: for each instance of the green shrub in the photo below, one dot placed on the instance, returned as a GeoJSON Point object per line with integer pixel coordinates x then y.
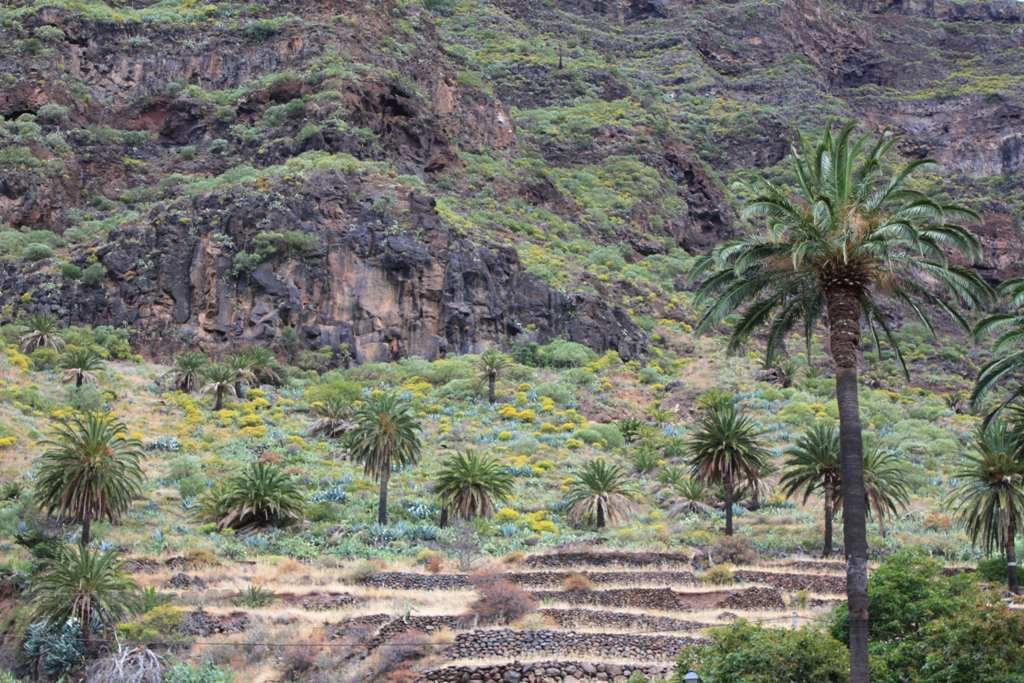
{"type": "Point", "coordinates": [157, 625]}
{"type": "Point", "coordinates": [743, 652]}
{"type": "Point", "coordinates": [565, 354]}
{"type": "Point", "coordinates": [94, 274]}
{"type": "Point", "coordinates": [45, 358]}
{"type": "Point", "coordinates": [36, 252]}
{"type": "Point", "coordinates": [52, 113]}
{"type": "Point", "coordinates": [719, 575]}
{"type": "Point", "coordinates": [994, 570]}
{"type": "Point", "coordinates": [70, 271]}
{"type": "Point", "coordinates": [183, 672]}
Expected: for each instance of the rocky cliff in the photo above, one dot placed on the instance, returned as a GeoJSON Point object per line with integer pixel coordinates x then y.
{"type": "Point", "coordinates": [436, 176]}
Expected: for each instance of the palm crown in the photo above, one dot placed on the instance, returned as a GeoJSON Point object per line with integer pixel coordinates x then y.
{"type": "Point", "coordinates": [852, 229]}
{"type": "Point", "coordinates": [1009, 345]}
{"type": "Point", "coordinates": [469, 483]}
{"type": "Point", "coordinates": [813, 466]}
{"type": "Point", "coordinates": [600, 493]}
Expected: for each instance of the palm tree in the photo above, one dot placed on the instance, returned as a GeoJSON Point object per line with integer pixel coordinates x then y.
{"type": "Point", "coordinates": [261, 495]}
{"type": "Point", "coordinates": [468, 484]}
{"type": "Point", "coordinates": [1009, 346]}
{"type": "Point", "coordinates": [813, 466]}
{"type": "Point", "coordinates": [885, 485]}
{"type": "Point", "coordinates": [80, 365]}
{"type": "Point", "coordinates": [244, 374]}
{"type": "Point", "coordinates": [187, 372]}
{"type": "Point", "coordinates": [989, 495]}
{"type": "Point", "coordinates": [220, 381]}
{"type": "Point", "coordinates": [263, 364]}
{"type": "Point", "coordinates": [334, 417]}
{"type": "Point", "coordinates": [691, 497]}
{"type": "Point", "coordinates": [490, 365]}
{"type": "Point", "coordinates": [385, 437]}
{"type": "Point", "coordinates": [853, 234]}
{"type": "Point", "coordinates": [41, 331]}
{"type": "Point", "coordinates": [600, 493]}
{"type": "Point", "coordinates": [726, 449]}
{"type": "Point", "coordinates": [90, 470]}
{"type": "Point", "coordinates": [85, 585]}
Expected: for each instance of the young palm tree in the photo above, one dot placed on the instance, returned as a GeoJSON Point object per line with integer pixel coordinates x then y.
{"type": "Point", "coordinates": [469, 484]}
{"type": "Point", "coordinates": [385, 437]}
{"type": "Point", "coordinates": [263, 364]}
{"type": "Point", "coordinates": [261, 495]}
{"type": "Point", "coordinates": [90, 470]}
{"type": "Point", "coordinates": [334, 417]}
{"type": "Point", "coordinates": [726, 449]}
{"type": "Point", "coordinates": [490, 366]}
{"type": "Point", "coordinates": [1009, 346]}
{"type": "Point", "coordinates": [80, 365]}
{"type": "Point", "coordinates": [691, 497]}
{"type": "Point", "coordinates": [601, 494]}
{"type": "Point", "coordinates": [813, 466]}
{"type": "Point", "coordinates": [851, 235]}
{"type": "Point", "coordinates": [85, 585]}
{"type": "Point", "coordinates": [187, 372]}
{"type": "Point", "coordinates": [989, 494]}
{"type": "Point", "coordinates": [41, 331]}
{"type": "Point", "coordinates": [220, 381]}
{"type": "Point", "coordinates": [241, 365]}
{"type": "Point", "coordinates": [885, 485]}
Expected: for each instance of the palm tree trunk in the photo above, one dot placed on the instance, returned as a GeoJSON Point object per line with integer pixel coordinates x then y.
{"type": "Point", "coordinates": [827, 551]}
{"type": "Point", "coordinates": [492, 379]}
{"type": "Point", "coordinates": [86, 630]}
{"type": "Point", "coordinates": [727, 485]}
{"type": "Point", "coordinates": [86, 527]}
{"type": "Point", "coordinates": [1011, 555]}
{"type": "Point", "coordinates": [219, 403]}
{"type": "Point", "coordinates": [600, 516]}
{"type": "Point", "coordinates": [239, 389]}
{"type": "Point", "coordinates": [382, 501]}
{"type": "Point", "coordinates": [78, 379]}
{"type": "Point", "coordinates": [844, 340]}
{"type": "Point", "coordinates": [444, 516]}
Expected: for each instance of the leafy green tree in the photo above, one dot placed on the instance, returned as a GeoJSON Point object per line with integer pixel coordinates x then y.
{"type": "Point", "coordinates": [220, 381]}
{"type": "Point", "coordinates": [41, 332]}
{"type": "Point", "coordinates": [851, 235]}
{"type": "Point", "coordinates": [386, 436]}
{"type": "Point", "coordinates": [813, 466]}
{"type": "Point", "coordinates": [726, 449]}
{"type": "Point", "coordinates": [491, 364]}
{"type": "Point", "coordinates": [989, 493]}
{"type": "Point", "coordinates": [261, 495]}
{"type": "Point", "coordinates": [187, 373]}
{"type": "Point", "coordinates": [89, 470]}
{"type": "Point", "coordinates": [600, 494]}
{"type": "Point", "coordinates": [85, 585]}
{"type": "Point", "coordinates": [1008, 362]}
{"type": "Point", "coordinates": [80, 365]}
{"type": "Point", "coordinates": [469, 484]}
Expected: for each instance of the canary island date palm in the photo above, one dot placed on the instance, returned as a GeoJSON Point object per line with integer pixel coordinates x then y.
{"type": "Point", "coordinates": [333, 417]}
{"type": "Point", "coordinates": [491, 364]}
{"type": "Point", "coordinates": [852, 234]}
{"type": "Point", "coordinates": [219, 380]}
{"type": "Point", "coordinates": [261, 495]}
{"type": "Point", "coordinates": [263, 364]}
{"type": "Point", "coordinates": [86, 585]}
{"type": "Point", "coordinates": [726, 449]}
{"type": "Point", "coordinates": [90, 470]}
{"type": "Point", "coordinates": [469, 484]}
{"type": "Point", "coordinates": [989, 494]}
{"type": "Point", "coordinates": [601, 494]}
{"type": "Point", "coordinates": [80, 365]}
{"type": "Point", "coordinates": [813, 467]}
{"type": "Point", "coordinates": [41, 332]}
{"type": "Point", "coordinates": [885, 485]}
{"type": "Point", "coordinates": [187, 373]}
{"type": "Point", "coordinates": [385, 437]}
{"type": "Point", "coordinates": [1007, 366]}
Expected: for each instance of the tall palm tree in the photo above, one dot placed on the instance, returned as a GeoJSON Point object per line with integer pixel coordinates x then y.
{"type": "Point", "coordinates": [85, 585]}
{"type": "Point", "coordinates": [1008, 362]}
{"type": "Point", "coordinates": [220, 381]}
{"type": "Point", "coordinates": [491, 364]}
{"type": "Point", "coordinates": [989, 493]}
{"type": "Point", "coordinates": [187, 372]}
{"type": "Point", "coordinates": [726, 449]}
{"type": "Point", "coordinates": [469, 484]}
{"type": "Point", "coordinates": [385, 437]}
{"type": "Point", "coordinates": [80, 365]}
{"type": "Point", "coordinates": [90, 470]}
{"type": "Point", "coordinates": [41, 331]}
{"type": "Point", "coordinates": [813, 466]}
{"type": "Point", "coordinates": [850, 235]}
{"type": "Point", "coordinates": [601, 493]}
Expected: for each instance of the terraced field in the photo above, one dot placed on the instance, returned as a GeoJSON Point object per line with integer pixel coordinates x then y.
{"type": "Point", "coordinates": [597, 615]}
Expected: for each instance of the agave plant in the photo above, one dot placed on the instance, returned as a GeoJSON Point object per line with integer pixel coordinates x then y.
{"type": "Point", "coordinates": [80, 365]}
{"type": "Point", "coordinates": [601, 494]}
{"type": "Point", "coordinates": [89, 470]}
{"type": "Point", "coordinates": [85, 585]}
{"type": "Point", "coordinates": [261, 495]}
{"type": "Point", "coordinates": [41, 331]}
{"type": "Point", "coordinates": [187, 372]}
{"type": "Point", "coordinates": [334, 417]}
{"type": "Point", "coordinates": [469, 484]}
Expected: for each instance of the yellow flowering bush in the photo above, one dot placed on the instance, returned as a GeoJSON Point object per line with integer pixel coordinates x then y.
{"type": "Point", "coordinates": [254, 432]}
{"type": "Point", "coordinates": [6, 441]}
{"type": "Point", "coordinates": [18, 359]}
{"type": "Point", "coordinates": [504, 436]}
{"type": "Point", "coordinates": [506, 514]}
{"type": "Point", "coordinates": [573, 443]}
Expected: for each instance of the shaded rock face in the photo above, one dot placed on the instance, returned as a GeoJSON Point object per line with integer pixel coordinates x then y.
{"type": "Point", "coordinates": [379, 294]}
